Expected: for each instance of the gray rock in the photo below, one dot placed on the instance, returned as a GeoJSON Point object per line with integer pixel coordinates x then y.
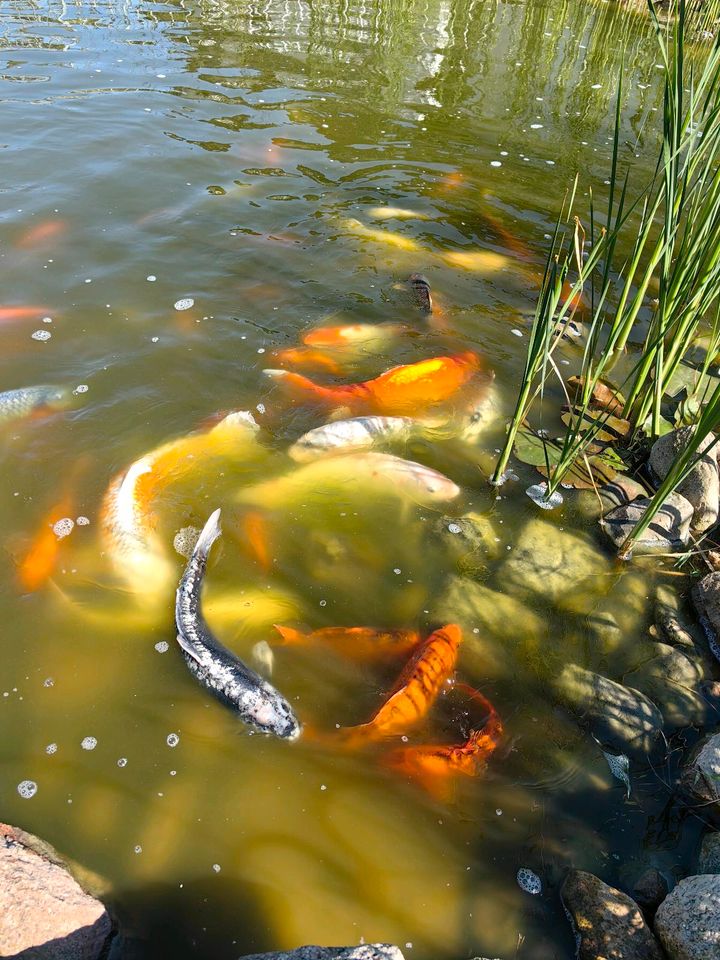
{"type": "Point", "coordinates": [688, 920]}
{"type": "Point", "coordinates": [551, 563]}
{"type": "Point", "coordinates": [621, 491]}
{"type": "Point", "coordinates": [668, 530]}
{"type": "Point", "coordinates": [700, 776]}
{"type": "Point", "coordinates": [43, 906]}
{"type": "Point", "coordinates": [649, 891]}
{"type": "Point", "coordinates": [672, 680]}
{"type": "Point", "coordinates": [706, 598]}
{"type": "Point", "coordinates": [607, 922]}
{"type": "Point", "coordinates": [621, 718]}
{"type": "Point", "coordinates": [709, 858]}
{"type": "Point", "coordinates": [701, 487]}
{"type": "Point", "coordinates": [673, 624]}
{"type": "Point", "coordinates": [368, 951]}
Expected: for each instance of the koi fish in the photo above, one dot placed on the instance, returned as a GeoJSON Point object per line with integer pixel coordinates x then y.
{"type": "Point", "coordinates": [434, 766]}
{"type": "Point", "coordinates": [346, 436]}
{"type": "Point", "coordinates": [487, 262]}
{"type": "Point", "coordinates": [420, 288]}
{"type": "Point", "coordinates": [256, 701]}
{"type": "Point", "coordinates": [417, 687]}
{"type": "Point", "coordinates": [40, 560]}
{"type": "Point", "coordinates": [400, 390]}
{"type": "Point", "coordinates": [358, 643]}
{"type": "Point", "coordinates": [9, 314]}
{"type": "Point", "coordinates": [16, 404]}
{"type": "Point", "coordinates": [396, 213]}
{"type": "Point", "coordinates": [353, 472]}
{"type": "Point", "coordinates": [255, 532]}
{"type": "Point", "coordinates": [354, 334]}
{"type": "Point", "coordinates": [386, 237]}
{"type": "Point", "coordinates": [42, 233]}
{"type": "Point", "coordinates": [308, 358]}
{"type": "Point", "coordinates": [127, 517]}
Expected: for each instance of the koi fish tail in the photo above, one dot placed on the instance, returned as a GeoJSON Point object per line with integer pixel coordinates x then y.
{"type": "Point", "coordinates": [304, 386]}
{"type": "Point", "coordinates": [256, 534]}
{"type": "Point", "coordinates": [241, 421]}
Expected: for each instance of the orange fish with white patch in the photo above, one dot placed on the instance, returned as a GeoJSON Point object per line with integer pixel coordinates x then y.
{"type": "Point", "coordinates": [308, 358]}
{"type": "Point", "coordinates": [417, 688]}
{"type": "Point", "coordinates": [402, 390]}
{"type": "Point", "coordinates": [357, 643]}
{"type": "Point", "coordinates": [435, 767]}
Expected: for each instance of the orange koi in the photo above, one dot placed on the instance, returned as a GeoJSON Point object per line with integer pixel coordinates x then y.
{"type": "Point", "coordinates": [9, 314]}
{"type": "Point", "coordinates": [451, 181]}
{"type": "Point", "coordinates": [352, 334]}
{"type": "Point", "coordinates": [416, 689]}
{"type": "Point", "coordinates": [401, 390]}
{"type": "Point", "coordinates": [39, 562]}
{"type": "Point", "coordinates": [308, 358]}
{"type": "Point", "coordinates": [578, 302]}
{"type": "Point", "coordinates": [255, 529]}
{"type": "Point", "coordinates": [42, 233]}
{"type": "Point", "coordinates": [433, 767]}
{"type": "Point", "coordinates": [358, 643]}
{"type": "Point", "coordinates": [508, 239]}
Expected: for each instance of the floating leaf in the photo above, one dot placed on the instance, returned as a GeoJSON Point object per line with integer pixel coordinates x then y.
{"type": "Point", "coordinates": [692, 381]}
{"type": "Point", "coordinates": [535, 450]}
{"type": "Point", "coordinates": [598, 467]}
{"type": "Point", "coordinates": [612, 427]}
{"type": "Point", "coordinates": [603, 395]}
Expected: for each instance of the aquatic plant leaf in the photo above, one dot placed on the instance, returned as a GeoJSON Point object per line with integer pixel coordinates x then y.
{"type": "Point", "coordinates": [619, 767]}
{"type": "Point", "coordinates": [603, 463]}
{"type": "Point", "coordinates": [612, 428]}
{"type": "Point", "coordinates": [692, 381]}
{"type": "Point", "coordinates": [535, 450]}
{"type": "Point", "coordinates": [603, 396]}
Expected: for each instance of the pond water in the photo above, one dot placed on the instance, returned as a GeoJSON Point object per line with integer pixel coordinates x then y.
{"type": "Point", "coordinates": [233, 154]}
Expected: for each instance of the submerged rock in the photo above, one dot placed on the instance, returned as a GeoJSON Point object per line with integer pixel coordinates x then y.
{"type": "Point", "coordinates": [619, 717]}
{"type": "Point", "coordinates": [688, 920]}
{"type": "Point", "coordinates": [552, 563]}
{"type": "Point", "coordinates": [367, 951]}
{"type": "Point", "coordinates": [618, 623]}
{"type": "Point", "coordinates": [622, 490]}
{"type": "Point", "coordinates": [649, 891]}
{"type": "Point", "coordinates": [668, 530]}
{"type": "Point", "coordinates": [700, 776]}
{"type": "Point", "coordinates": [44, 912]}
{"type": "Point", "coordinates": [672, 680]}
{"type": "Point", "coordinates": [607, 922]}
{"type": "Point", "coordinates": [709, 858]}
{"type": "Point", "coordinates": [673, 624]}
{"type": "Point", "coordinates": [706, 598]}
{"type": "Point", "coordinates": [701, 487]}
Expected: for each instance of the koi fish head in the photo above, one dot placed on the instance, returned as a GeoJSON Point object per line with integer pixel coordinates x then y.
{"type": "Point", "coordinates": [270, 712]}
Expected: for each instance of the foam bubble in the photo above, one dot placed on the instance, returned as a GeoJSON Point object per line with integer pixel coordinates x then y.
{"type": "Point", "coordinates": [162, 646]}
{"type": "Point", "coordinates": [172, 739]}
{"type": "Point", "coordinates": [82, 521]}
{"type": "Point", "coordinates": [48, 682]}
{"type": "Point", "coordinates": [27, 789]}
{"type": "Point", "coordinates": [81, 388]}
{"type": "Point", "coordinates": [528, 881]}
{"type": "Point", "coordinates": [184, 303]}
{"type": "Point", "coordinates": [185, 540]}
{"type": "Point", "coordinates": [41, 335]}
{"type": "Point", "coordinates": [216, 867]}
{"type": "Point", "coordinates": [538, 494]}
{"type": "Point", "coordinates": [88, 743]}
{"type": "Point", "coordinates": [63, 528]}
{"type": "Point", "coordinates": [51, 748]}
{"type": "Point", "coordinates": [454, 528]}
{"type": "Point", "coordinates": [122, 762]}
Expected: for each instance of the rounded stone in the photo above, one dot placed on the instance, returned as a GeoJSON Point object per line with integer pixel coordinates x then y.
{"type": "Point", "coordinates": [688, 920]}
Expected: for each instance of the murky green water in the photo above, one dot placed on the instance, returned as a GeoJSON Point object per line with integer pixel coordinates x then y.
{"type": "Point", "coordinates": [215, 151]}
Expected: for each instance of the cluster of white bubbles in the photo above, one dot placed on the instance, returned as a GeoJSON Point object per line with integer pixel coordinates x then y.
{"type": "Point", "coordinates": [185, 540]}
{"type": "Point", "coordinates": [529, 881]}
{"type": "Point", "coordinates": [51, 748]}
{"type": "Point", "coordinates": [89, 743]}
{"type": "Point", "coordinates": [162, 646]}
{"type": "Point", "coordinates": [41, 335]}
{"type": "Point", "coordinates": [184, 303]}
{"type": "Point", "coordinates": [172, 740]}
{"type": "Point", "coordinates": [538, 494]}
{"type": "Point", "coordinates": [63, 528]}
{"type": "Point", "coordinates": [27, 789]}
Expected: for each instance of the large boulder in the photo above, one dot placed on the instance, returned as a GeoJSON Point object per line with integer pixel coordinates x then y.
{"type": "Point", "coordinates": [668, 530]}
{"type": "Point", "coordinates": [700, 776]}
{"type": "Point", "coordinates": [43, 909]}
{"type": "Point", "coordinates": [608, 923]}
{"type": "Point", "coordinates": [623, 612]}
{"type": "Point", "coordinates": [551, 563]}
{"type": "Point", "coordinates": [672, 680]}
{"type": "Point", "coordinates": [701, 487]}
{"type": "Point", "coordinates": [688, 920]}
{"type": "Point", "coordinates": [676, 625]}
{"type": "Point", "coordinates": [621, 718]}
{"type": "Point", "coordinates": [706, 597]}
{"type": "Point", "coordinates": [367, 951]}
{"type": "Point", "coordinates": [709, 858]}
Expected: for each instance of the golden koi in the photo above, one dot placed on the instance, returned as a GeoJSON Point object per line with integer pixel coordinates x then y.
{"type": "Point", "coordinates": [487, 262]}
{"type": "Point", "coordinates": [352, 474]}
{"type": "Point", "coordinates": [357, 643]}
{"type": "Point", "coordinates": [354, 334]}
{"type": "Point", "coordinates": [359, 433]}
{"type": "Point", "coordinates": [396, 213]}
{"type": "Point", "coordinates": [401, 390]}
{"type": "Point", "coordinates": [386, 237]}
{"type": "Point", "coordinates": [417, 687]}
